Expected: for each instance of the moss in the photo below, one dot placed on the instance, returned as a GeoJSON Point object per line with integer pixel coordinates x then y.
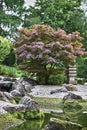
{"type": "Point", "coordinates": [17, 99]}
{"type": "Point", "coordinates": [72, 105]}
{"type": "Point", "coordinates": [8, 120]}
{"type": "Point", "coordinates": [82, 119]}
{"type": "Point", "coordinates": [49, 103]}
{"type": "Point", "coordinates": [67, 125]}
{"type": "Point", "coordinates": [84, 129]}
{"type": "Point", "coordinates": [13, 101]}
{"type": "Point", "coordinates": [34, 114]}
{"type": "Point", "coordinates": [30, 125]}
{"type": "Point", "coordinates": [18, 115]}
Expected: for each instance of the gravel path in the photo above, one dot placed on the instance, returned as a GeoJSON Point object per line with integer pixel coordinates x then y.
{"type": "Point", "coordinates": [44, 91]}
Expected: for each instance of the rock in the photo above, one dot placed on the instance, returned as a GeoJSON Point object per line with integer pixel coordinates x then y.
{"type": "Point", "coordinates": [19, 89]}
{"type": "Point", "coordinates": [8, 95]}
{"type": "Point", "coordinates": [22, 87]}
{"type": "Point", "coordinates": [14, 108]}
{"type": "Point", "coordinates": [24, 82]}
{"type": "Point", "coordinates": [25, 100]}
{"type": "Point", "coordinates": [57, 124]}
{"type": "Point", "coordinates": [70, 87]}
{"type": "Point", "coordinates": [3, 97]}
{"type": "Point", "coordinates": [33, 110]}
{"type": "Point", "coordinates": [15, 93]}
{"type": "Point", "coordinates": [28, 88]}
{"type": "Point", "coordinates": [62, 89]}
{"type": "Point", "coordinates": [71, 96]}
{"type": "Point", "coordinates": [1, 77]}
{"type": "Point", "coordinates": [29, 103]}
{"type": "Point", "coordinates": [9, 79]}
{"type": "Point", "coordinates": [1, 94]}
{"type": "Point", "coordinates": [28, 80]}
{"type": "Point", "coordinates": [33, 105]}
{"type": "Point", "coordinates": [6, 85]}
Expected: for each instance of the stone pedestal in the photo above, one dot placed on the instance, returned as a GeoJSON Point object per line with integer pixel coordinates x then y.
{"type": "Point", "coordinates": [72, 74]}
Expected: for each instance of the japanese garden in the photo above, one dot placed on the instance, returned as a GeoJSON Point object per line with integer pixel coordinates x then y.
{"type": "Point", "coordinates": [43, 65]}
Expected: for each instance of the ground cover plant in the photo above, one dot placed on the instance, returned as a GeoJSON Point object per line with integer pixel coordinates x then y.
{"type": "Point", "coordinates": [11, 71]}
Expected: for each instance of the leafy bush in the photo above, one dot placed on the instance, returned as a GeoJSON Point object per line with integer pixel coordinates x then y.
{"type": "Point", "coordinates": [80, 80]}
{"type": "Point", "coordinates": [10, 71]}
{"type": "Point", "coordinates": [57, 79]}
{"type": "Point", "coordinates": [5, 47]}
{"type": "Point", "coordinates": [82, 68]}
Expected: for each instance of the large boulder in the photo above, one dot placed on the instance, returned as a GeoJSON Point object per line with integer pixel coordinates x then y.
{"type": "Point", "coordinates": [22, 86]}
{"type": "Point", "coordinates": [29, 103]}
{"type": "Point", "coordinates": [33, 110]}
{"type": "Point", "coordinates": [57, 124]}
{"type": "Point", "coordinates": [25, 83]}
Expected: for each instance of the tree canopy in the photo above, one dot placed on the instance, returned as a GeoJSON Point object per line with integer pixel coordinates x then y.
{"type": "Point", "coordinates": [65, 14]}
{"type": "Point", "coordinates": [42, 49]}
{"type": "Point", "coordinates": [11, 16]}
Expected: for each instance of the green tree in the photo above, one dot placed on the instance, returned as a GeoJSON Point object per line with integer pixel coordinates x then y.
{"type": "Point", "coordinates": [59, 13]}
{"type": "Point", "coordinates": [65, 14]}
{"type": "Point", "coordinates": [11, 16]}
{"type": "Point", "coordinates": [5, 47]}
{"type": "Point", "coordinates": [42, 50]}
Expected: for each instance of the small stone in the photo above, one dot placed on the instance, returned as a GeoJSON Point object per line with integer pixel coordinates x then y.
{"type": "Point", "coordinates": [70, 87]}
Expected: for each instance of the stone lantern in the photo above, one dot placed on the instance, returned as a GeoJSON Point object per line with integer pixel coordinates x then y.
{"type": "Point", "coordinates": [72, 74]}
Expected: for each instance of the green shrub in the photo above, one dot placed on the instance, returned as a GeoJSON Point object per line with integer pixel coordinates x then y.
{"type": "Point", "coordinates": [57, 79]}
{"type": "Point", "coordinates": [5, 47]}
{"type": "Point", "coordinates": [80, 80]}
{"type": "Point", "coordinates": [11, 71]}
{"type": "Point", "coordinates": [82, 67]}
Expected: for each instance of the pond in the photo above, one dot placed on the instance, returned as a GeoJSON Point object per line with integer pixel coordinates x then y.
{"type": "Point", "coordinates": [33, 124]}
{"type": "Point", "coordinates": [40, 124]}
{"type": "Point", "coordinates": [74, 111]}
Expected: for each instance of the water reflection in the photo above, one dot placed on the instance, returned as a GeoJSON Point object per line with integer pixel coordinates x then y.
{"type": "Point", "coordinates": [30, 125]}
{"type": "Point", "coordinates": [33, 124]}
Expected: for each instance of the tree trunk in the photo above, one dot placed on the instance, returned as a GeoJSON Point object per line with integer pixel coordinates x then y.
{"type": "Point", "coordinates": [46, 79]}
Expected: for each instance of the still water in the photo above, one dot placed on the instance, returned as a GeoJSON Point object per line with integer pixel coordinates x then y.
{"type": "Point", "coordinates": [33, 124]}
